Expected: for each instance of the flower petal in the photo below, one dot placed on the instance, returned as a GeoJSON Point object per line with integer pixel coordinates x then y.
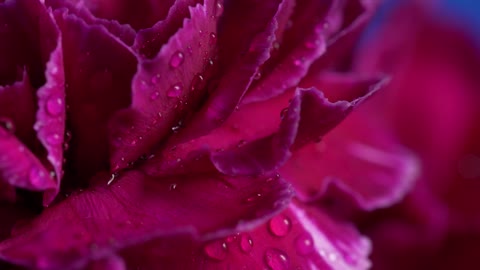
{"type": "Point", "coordinates": [148, 42]}
{"type": "Point", "coordinates": [51, 115]}
{"type": "Point", "coordinates": [163, 88]}
{"type": "Point", "coordinates": [298, 238]}
{"type": "Point", "coordinates": [304, 42]}
{"type": "Point", "coordinates": [135, 208]}
{"type": "Point", "coordinates": [309, 117]}
{"type": "Point", "coordinates": [245, 38]}
{"type": "Point", "coordinates": [123, 31]}
{"type": "Point", "coordinates": [19, 167]}
{"type": "Point", "coordinates": [98, 73]}
{"type": "Point", "coordinates": [139, 14]}
{"type": "Point", "coordinates": [28, 37]}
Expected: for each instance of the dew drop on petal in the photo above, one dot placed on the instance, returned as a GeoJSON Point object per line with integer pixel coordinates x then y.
{"type": "Point", "coordinates": [241, 143]}
{"type": "Point", "coordinates": [54, 106]}
{"type": "Point", "coordinates": [8, 125]}
{"type": "Point", "coordinates": [276, 259]}
{"type": "Point", "coordinates": [197, 82]}
{"type": "Point", "coordinates": [257, 76]}
{"type": "Point", "coordinates": [154, 95]}
{"type": "Point", "coordinates": [216, 250]}
{"type": "Point", "coordinates": [253, 198]}
{"type": "Point", "coordinates": [304, 244]}
{"type": "Point", "coordinates": [219, 9]}
{"type": "Point", "coordinates": [280, 225]}
{"type": "Point", "coordinates": [173, 186]}
{"type": "Point", "coordinates": [177, 59]}
{"type": "Point", "coordinates": [213, 39]}
{"type": "Point", "coordinates": [175, 91]}
{"type": "Point", "coordinates": [54, 139]}
{"type": "Point", "coordinates": [37, 177]}
{"type": "Point", "coordinates": [246, 243]}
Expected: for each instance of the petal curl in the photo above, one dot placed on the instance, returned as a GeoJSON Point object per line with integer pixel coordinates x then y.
{"type": "Point", "coordinates": [98, 73]}
{"type": "Point", "coordinates": [245, 38]}
{"type": "Point", "coordinates": [164, 88]}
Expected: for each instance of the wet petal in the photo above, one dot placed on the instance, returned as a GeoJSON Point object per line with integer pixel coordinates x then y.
{"type": "Point", "coordinates": [135, 208]}
{"type": "Point", "coordinates": [163, 89]}
{"type": "Point", "coordinates": [245, 38]}
{"type": "Point", "coordinates": [298, 238]}
{"type": "Point", "coordinates": [310, 116]}
{"type": "Point", "coordinates": [304, 41]}
{"type": "Point", "coordinates": [51, 115]}
{"type": "Point", "coordinates": [19, 167]}
{"type": "Point", "coordinates": [98, 74]}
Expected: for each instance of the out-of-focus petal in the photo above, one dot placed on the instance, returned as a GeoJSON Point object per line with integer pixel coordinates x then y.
{"type": "Point", "coordinates": [164, 88]}
{"type": "Point", "coordinates": [135, 208]}
{"type": "Point", "coordinates": [360, 156]}
{"type": "Point", "coordinates": [112, 262]}
{"type": "Point", "coordinates": [298, 238]}
{"type": "Point", "coordinates": [98, 73]}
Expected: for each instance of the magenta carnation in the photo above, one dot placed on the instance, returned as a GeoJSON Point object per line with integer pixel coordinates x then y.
{"type": "Point", "coordinates": [189, 134]}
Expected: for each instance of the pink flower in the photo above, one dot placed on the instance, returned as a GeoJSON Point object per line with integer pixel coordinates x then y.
{"type": "Point", "coordinates": [432, 104]}
{"type": "Point", "coordinates": [188, 134]}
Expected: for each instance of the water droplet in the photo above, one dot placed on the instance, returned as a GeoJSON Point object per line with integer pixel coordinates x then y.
{"type": "Point", "coordinates": [8, 125]}
{"type": "Point", "coordinates": [216, 250]}
{"type": "Point", "coordinates": [280, 225]}
{"type": "Point", "coordinates": [231, 238]}
{"type": "Point", "coordinates": [54, 139]}
{"type": "Point", "coordinates": [177, 59]}
{"type": "Point", "coordinates": [253, 198]}
{"type": "Point", "coordinates": [213, 39]}
{"type": "Point", "coordinates": [241, 143]}
{"type": "Point", "coordinates": [155, 79]}
{"type": "Point", "coordinates": [154, 95]}
{"type": "Point", "coordinates": [173, 186]}
{"type": "Point", "coordinates": [177, 127]}
{"type": "Point", "coordinates": [55, 106]}
{"type": "Point", "coordinates": [37, 177]}
{"type": "Point", "coordinates": [332, 256]}
{"type": "Point", "coordinates": [276, 259]}
{"type": "Point", "coordinates": [276, 45]}
{"type": "Point", "coordinates": [304, 244]}
{"type": "Point", "coordinates": [219, 9]}
{"type": "Point", "coordinates": [257, 76]}
{"type": "Point", "coordinates": [175, 91]}
{"type": "Point", "coordinates": [246, 243]}
{"type": "Point", "coordinates": [283, 113]}
{"type": "Point", "coordinates": [197, 82]}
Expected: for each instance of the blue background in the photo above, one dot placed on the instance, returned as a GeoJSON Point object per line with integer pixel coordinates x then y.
{"type": "Point", "coordinates": [465, 12]}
